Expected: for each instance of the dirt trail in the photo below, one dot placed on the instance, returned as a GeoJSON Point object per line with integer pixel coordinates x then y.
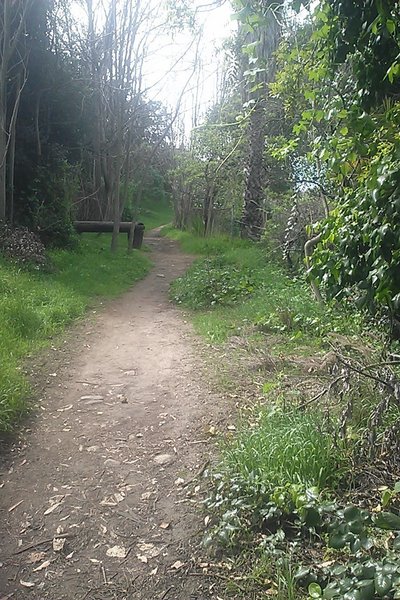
{"type": "Point", "coordinates": [123, 421]}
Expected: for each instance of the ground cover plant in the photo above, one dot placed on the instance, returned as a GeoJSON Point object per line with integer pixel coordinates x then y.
{"type": "Point", "coordinates": [244, 289]}
{"type": "Point", "coordinates": [37, 305]}
{"type": "Point", "coordinates": [294, 499]}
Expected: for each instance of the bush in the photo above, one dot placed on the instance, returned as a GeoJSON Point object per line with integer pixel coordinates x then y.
{"type": "Point", "coordinates": [213, 281]}
{"type": "Point", "coordinates": [48, 204]}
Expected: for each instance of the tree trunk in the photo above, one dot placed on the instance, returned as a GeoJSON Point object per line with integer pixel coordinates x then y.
{"type": "Point", "coordinates": [37, 127]}
{"type": "Point", "coordinates": [252, 222]}
{"type": "Point", "coordinates": [3, 170]}
{"type": "Point", "coordinates": [12, 23]}
{"type": "Point", "coordinates": [11, 149]}
{"type": "Point", "coordinates": [4, 60]}
{"type": "Point", "coordinates": [266, 36]}
{"type": "Point", "coordinates": [308, 252]}
{"type": "Point", "coordinates": [116, 212]}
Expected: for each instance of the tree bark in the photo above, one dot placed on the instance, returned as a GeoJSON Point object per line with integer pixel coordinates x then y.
{"type": "Point", "coordinates": [308, 251]}
{"type": "Point", "coordinates": [266, 36]}
{"type": "Point", "coordinates": [12, 23]}
{"type": "Point", "coordinates": [252, 222]}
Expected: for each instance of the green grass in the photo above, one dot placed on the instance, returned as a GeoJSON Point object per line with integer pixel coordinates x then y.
{"type": "Point", "coordinates": [208, 246]}
{"type": "Point", "coordinates": [281, 448]}
{"type": "Point", "coordinates": [279, 460]}
{"type": "Point", "coordinates": [272, 301]}
{"type": "Point", "coordinates": [155, 214]}
{"type": "Point", "coordinates": [35, 306]}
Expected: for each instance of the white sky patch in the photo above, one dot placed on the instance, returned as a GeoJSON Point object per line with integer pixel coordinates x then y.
{"type": "Point", "coordinates": [171, 58]}
{"type": "Point", "coordinates": [201, 91]}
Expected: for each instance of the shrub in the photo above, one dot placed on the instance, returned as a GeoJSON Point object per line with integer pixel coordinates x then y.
{"type": "Point", "coordinates": [213, 281]}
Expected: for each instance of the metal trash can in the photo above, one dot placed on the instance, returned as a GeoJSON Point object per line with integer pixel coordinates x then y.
{"type": "Point", "coordinates": [138, 235]}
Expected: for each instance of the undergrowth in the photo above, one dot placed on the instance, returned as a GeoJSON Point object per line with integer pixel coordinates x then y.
{"type": "Point", "coordinates": [36, 306]}
{"type": "Point", "coordinates": [277, 456]}
{"type": "Point", "coordinates": [276, 502]}
{"type": "Point", "coordinates": [285, 446]}
{"type": "Point", "coordinates": [245, 291]}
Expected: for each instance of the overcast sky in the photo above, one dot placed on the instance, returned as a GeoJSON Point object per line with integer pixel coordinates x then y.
{"type": "Point", "coordinates": [165, 50]}
{"type": "Point", "coordinates": [217, 26]}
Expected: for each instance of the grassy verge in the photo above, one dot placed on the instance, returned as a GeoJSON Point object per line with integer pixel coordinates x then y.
{"type": "Point", "coordinates": [244, 291]}
{"type": "Point", "coordinates": [37, 306]}
{"type": "Point", "coordinates": [282, 503]}
{"type": "Point", "coordinates": [155, 214]}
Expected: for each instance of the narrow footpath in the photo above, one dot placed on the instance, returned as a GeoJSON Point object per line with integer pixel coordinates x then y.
{"type": "Point", "coordinates": [99, 495]}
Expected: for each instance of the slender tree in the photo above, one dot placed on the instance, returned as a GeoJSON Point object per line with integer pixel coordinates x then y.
{"type": "Point", "coordinates": [260, 30]}
{"type": "Point", "coordinates": [12, 77]}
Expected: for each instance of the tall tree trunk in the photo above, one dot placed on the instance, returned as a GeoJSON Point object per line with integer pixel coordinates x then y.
{"type": "Point", "coordinates": [11, 150]}
{"type": "Point", "coordinates": [252, 222]}
{"type": "Point", "coordinates": [12, 23]}
{"type": "Point", "coordinates": [116, 215]}
{"type": "Point", "coordinates": [4, 63]}
{"type": "Point", "coordinates": [3, 169]}
{"type": "Point", "coordinates": [266, 35]}
{"type": "Point", "coordinates": [115, 194]}
{"type": "Point", "coordinates": [37, 126]}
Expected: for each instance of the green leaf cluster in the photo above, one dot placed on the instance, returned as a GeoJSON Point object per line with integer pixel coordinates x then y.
{"type": "Point", "coordinates": [214, 281]}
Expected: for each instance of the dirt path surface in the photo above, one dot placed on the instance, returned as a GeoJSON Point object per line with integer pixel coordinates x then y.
{"type": "Point", "coordinates": [97, 499]}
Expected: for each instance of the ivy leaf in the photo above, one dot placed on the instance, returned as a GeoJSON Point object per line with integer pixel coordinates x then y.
{"type": "Point", "coordinates": [390, 26]}
{"type": "Point", "coordinates": [315, 590]}
{"type": "Point", "coordinates": [387, 520]}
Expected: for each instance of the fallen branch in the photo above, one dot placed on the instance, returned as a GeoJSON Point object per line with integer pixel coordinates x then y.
{"type": "Point", "coordinates": [46, 541]}
{"type": "Point", "coordinates": [320, 394]}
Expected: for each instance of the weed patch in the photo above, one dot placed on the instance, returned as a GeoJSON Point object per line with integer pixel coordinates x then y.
{"type": "Point", "coordinates": [212, 282]}
{"type": "Point", "coordinates": [282, 447]}
{"type": "Point", "coordinates": [246, 291]}
{"type": "Point", "coordinates": [277, 459]}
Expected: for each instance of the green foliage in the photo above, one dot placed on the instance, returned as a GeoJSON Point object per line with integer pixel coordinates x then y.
{"type": "Point", "coordinates": [206, 181]}
{"type": "Point", "coordinates": [48, 206]}
{"type": "Point", "coordinates": [283, 447]}
{"type": "Point", "coordinates": [274, 303]}
{"type": "Point", "coordinates": [214, 245]}
{"type": "Point", "coordinates": [368, 33]}
{"type": "Point", "coordinates": [361, 249]}
{"type": "Point", "coordinates": [367, 558]}
{"type": "Point", "coordinates": [339, 86]}
{"type": "Point", "coordinates": [212, 282]}
{"type": "Point", "coordinates": [36, 306]}
{"type": "Point", "coordinates": [152, 205]}
{"type": "Point", "coordinates": [266, 493]}
{"type": "Point", "coordinates": [271, 473]}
